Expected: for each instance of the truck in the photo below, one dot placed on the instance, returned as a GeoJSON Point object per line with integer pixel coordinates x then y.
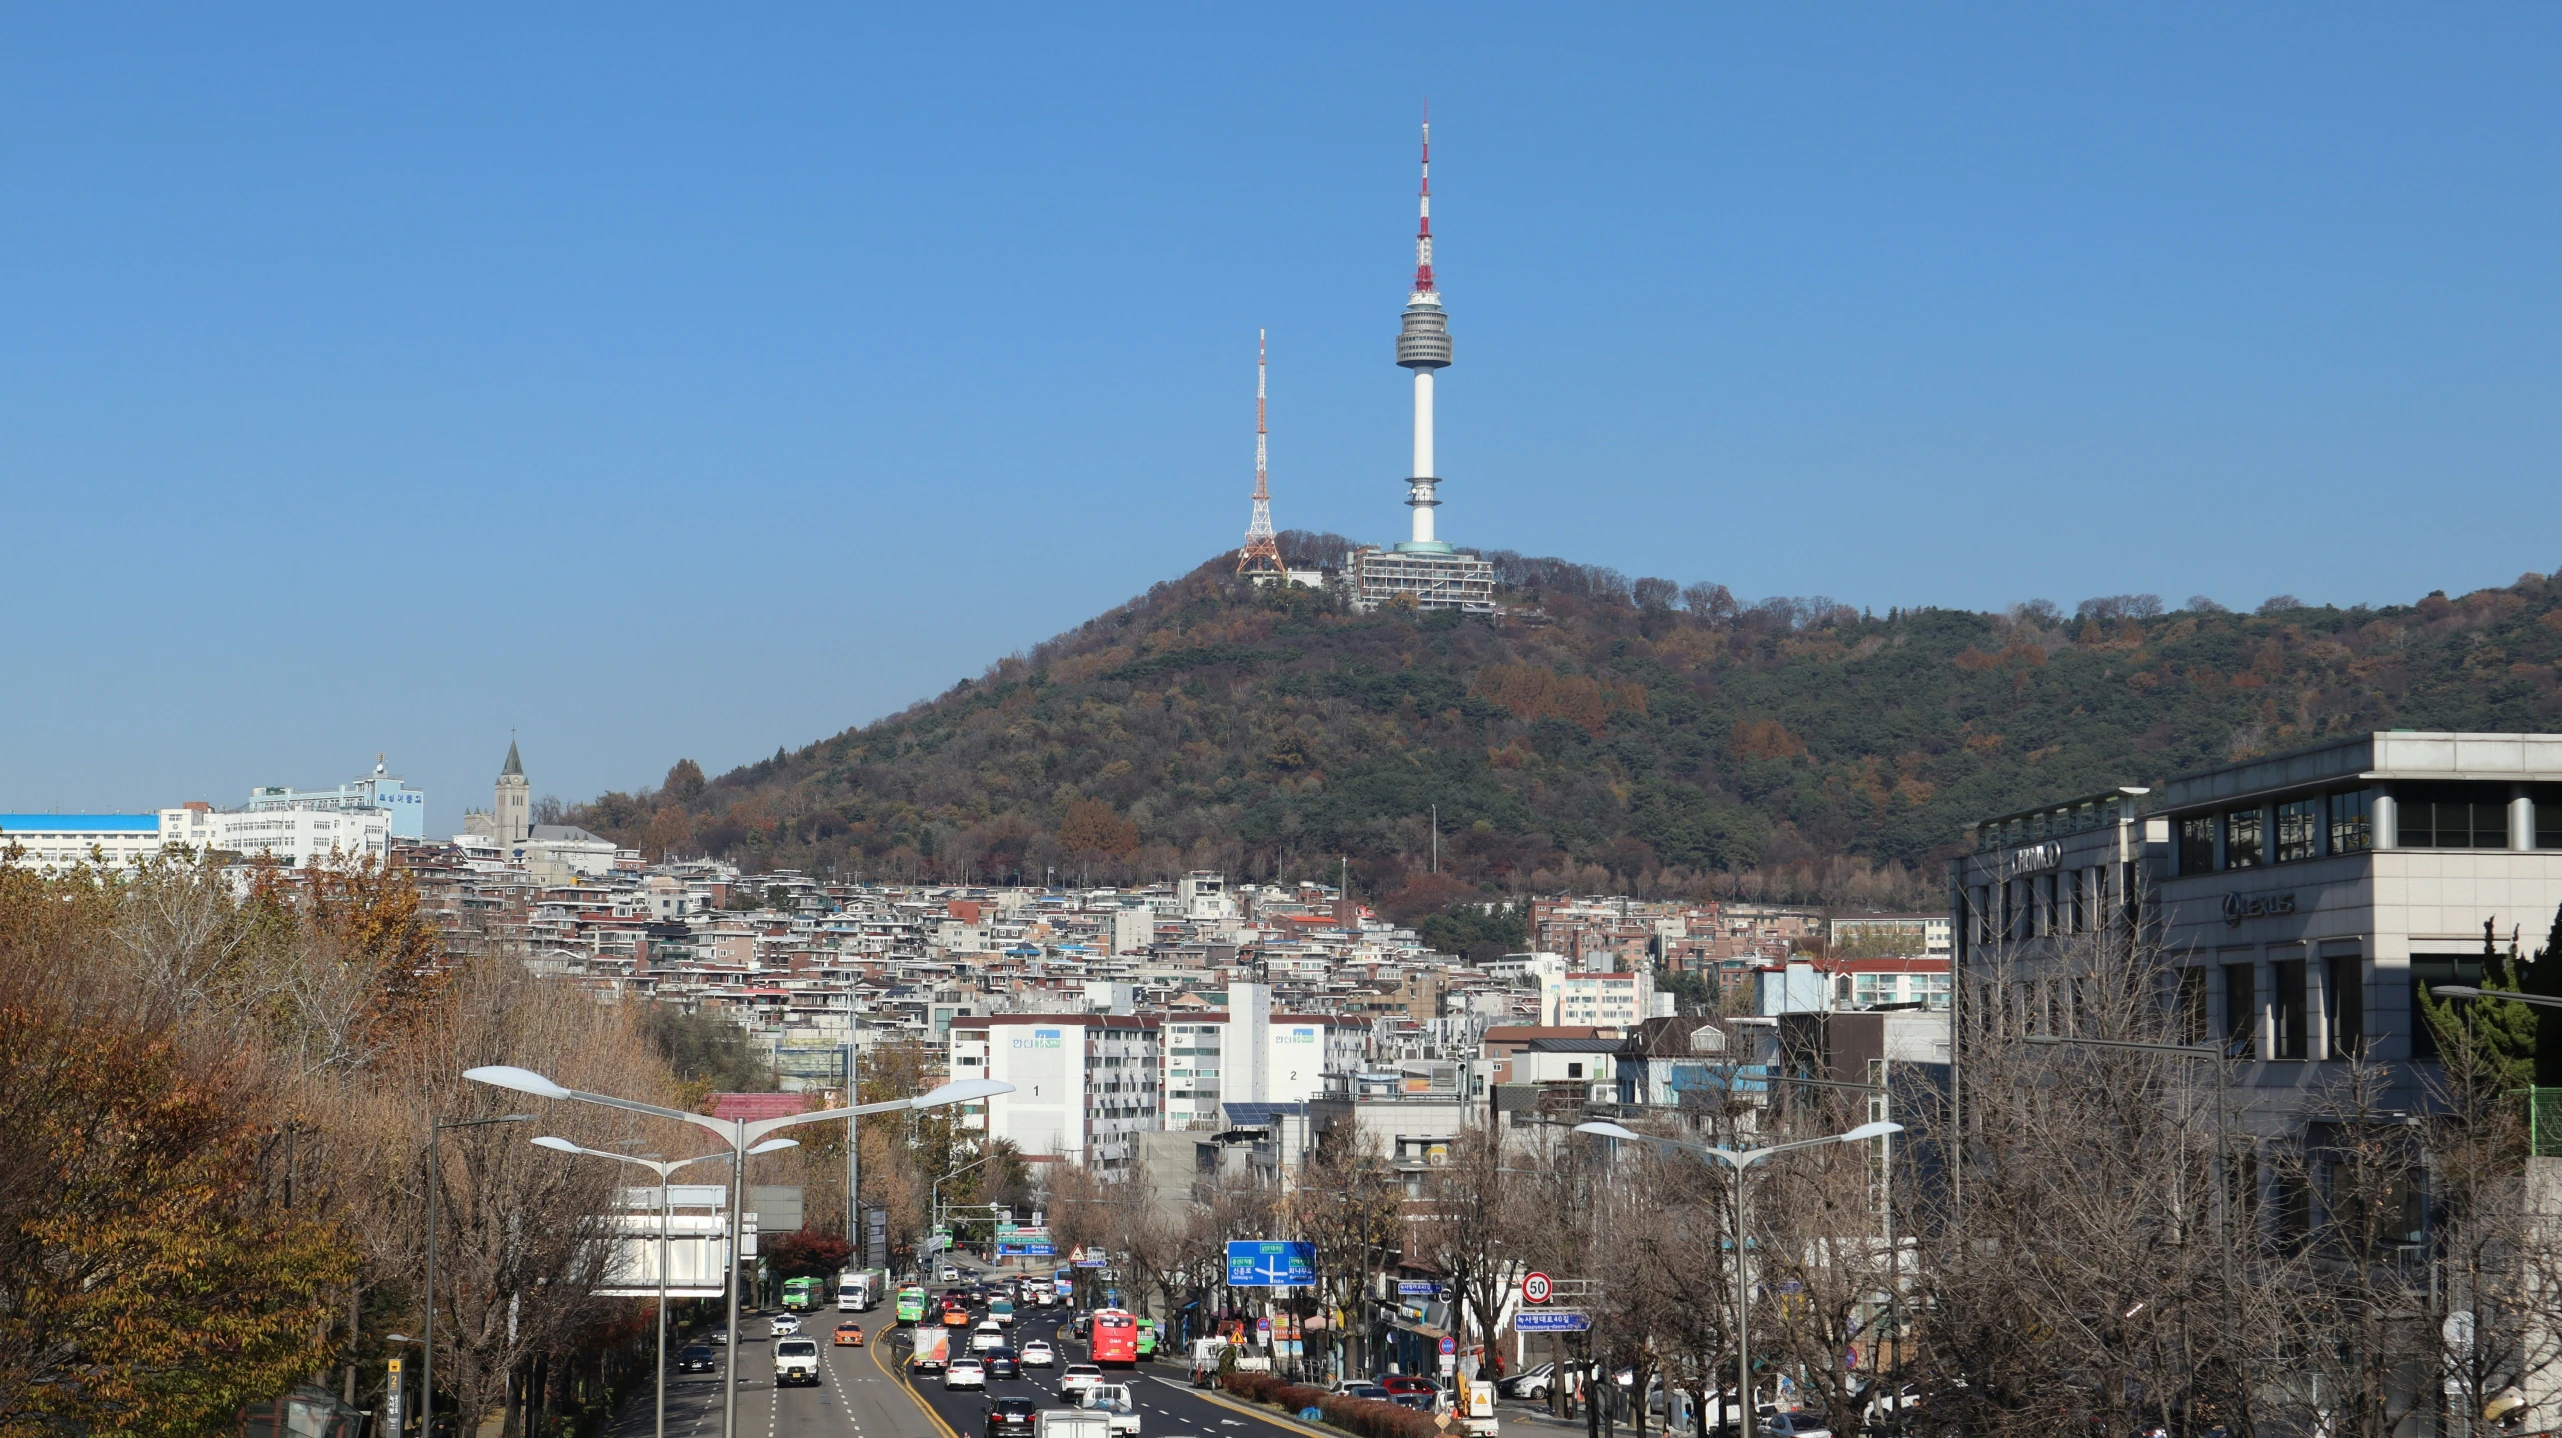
{"type": "Point", "coordinates": [1071, 1423]}
{"type": "Point", "coordinates": [859, 1290]}
{"type": "Point", "coordinates": [1474, 1405]}
{"type": "Point", "coordinates": [1113, 1400]}
{"type": "Point", "coordinates": [933, 1350]}
{"type": "Point", "coordinates": [1209, 1353]}
{"type": "Point", "coordinates": [800, 1295]}
{"type": "Point", "coordinates": [795, 1361]}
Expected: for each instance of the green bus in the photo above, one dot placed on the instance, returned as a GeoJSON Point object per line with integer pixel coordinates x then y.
{"type": "Point", "coordinates": [800, 1295]}
{"type": "Point", "coordinates": [1147, 1339]}
{"type": "Point", "coordinates": [911, 1304]}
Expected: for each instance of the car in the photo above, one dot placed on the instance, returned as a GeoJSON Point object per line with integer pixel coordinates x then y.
{"type": "Point", "coordinates": [785, 1325]}
{"type": "Point", "coordinates": [965, 1373]}
{"type": "Point", "coordinates": [849, 1335]}
{"type": "Point", "coordinates": [1529, 1382]}
{"type": "Point", "coordinates": [1771, 1423]}
{"type": "Point", "coordinates": [1419, 1402]}
{"type": "Point", "coordinates": [1012, 1417]}
{"type": "Point", "coordinates": [696, 1358]}
{"type": "Point", "coordinates": [985, 1337]}
{"type": "Point", "coordinates": [1371, 1391]}
{"type": "Point", "coordinates": [1079, 1375]}
{"type": "Point", "coordinates": [1037, 1354]}
{"type": "Point", "coordinates": [1001, 1363]}
{"type": "Point", "coordinates": [1409, 1383]}
{"type": "Point", "coordinates": [795, 1361]}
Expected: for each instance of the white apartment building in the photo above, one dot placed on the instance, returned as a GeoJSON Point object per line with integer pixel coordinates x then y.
{"type": "Point", "coordinates": [1191, 1082]}
{"type": "Point", "coordinates": [1085, 1085]}
{"type": "Point", "coordinates": [1609, 1000]}
{"type": "Point", "coordinates": [1920, 936]}
{"type": "Point", "coordinates": [292, 836]}
{"type": "Point", "coordinates": [60, 841]}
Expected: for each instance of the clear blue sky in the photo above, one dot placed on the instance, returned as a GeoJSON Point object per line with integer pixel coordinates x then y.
{"type": "Point", "coordinates": [667, 382]}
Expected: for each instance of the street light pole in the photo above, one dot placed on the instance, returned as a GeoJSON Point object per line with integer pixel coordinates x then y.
{"type": "Point", "coordinates": [436, 1181]}
{"type": "Point", "coordinates": [666, 1219]}
{"type": "Point", "coordinates": [741, 1136]}
{"type": "Point", "coordinates": [1740, 1160]}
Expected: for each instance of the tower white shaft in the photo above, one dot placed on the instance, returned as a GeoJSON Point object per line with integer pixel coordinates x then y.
{"type": "Point", "coordinates": [1425, 482]}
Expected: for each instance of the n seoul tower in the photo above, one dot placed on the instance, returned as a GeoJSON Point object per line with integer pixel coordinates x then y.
{"type": "Point", "coordinates": [1424, 346]}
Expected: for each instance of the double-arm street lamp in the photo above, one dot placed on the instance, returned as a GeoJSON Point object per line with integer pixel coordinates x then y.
{"type": "Point", "coordinates": [1741, 1161]}
{"type": "Point", "coordinates": [742, 1136]}
{"type": "Point", "coordinates": [662, 1168]}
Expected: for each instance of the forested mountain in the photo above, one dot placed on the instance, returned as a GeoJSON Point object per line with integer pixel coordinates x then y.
{"type": "Point", "coordinates": [1597, 735]}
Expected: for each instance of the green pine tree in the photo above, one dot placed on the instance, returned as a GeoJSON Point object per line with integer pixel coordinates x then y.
{"type": "Point", "coordinates": [2544, 976]}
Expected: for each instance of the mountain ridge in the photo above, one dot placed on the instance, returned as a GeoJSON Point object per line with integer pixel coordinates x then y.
{"type": "Point", "coordinates": [1597, 734]}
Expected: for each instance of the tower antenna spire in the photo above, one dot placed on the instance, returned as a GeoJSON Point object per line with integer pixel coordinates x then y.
{"type": "Point", "coordinates": [1262, 551]}
{"type": "Point", "coordinates": [1423, 219]}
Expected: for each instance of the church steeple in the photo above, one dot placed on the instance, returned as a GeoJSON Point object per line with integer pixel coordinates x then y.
{"type": "Point", "coordinates": [513, 813]}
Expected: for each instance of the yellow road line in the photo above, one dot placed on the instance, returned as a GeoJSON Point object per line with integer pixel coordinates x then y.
{"type": "Point", "coordinates": [909, 1384]}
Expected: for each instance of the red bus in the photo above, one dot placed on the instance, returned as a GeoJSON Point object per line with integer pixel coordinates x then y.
{"type": "Point", "coordinates": [1113, 1337]}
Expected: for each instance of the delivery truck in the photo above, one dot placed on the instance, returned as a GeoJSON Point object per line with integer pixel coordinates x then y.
{"type": "Point", "coordinates": [933, 1351]}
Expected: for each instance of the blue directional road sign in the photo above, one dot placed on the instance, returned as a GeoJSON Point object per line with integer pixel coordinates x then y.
{"type": "Point", "coordinates": [1256, 1263]}
{"type": "Point", "coordinates": [1417, 1288]}
{"type": "Point", "coordinates": [1551, 1320]}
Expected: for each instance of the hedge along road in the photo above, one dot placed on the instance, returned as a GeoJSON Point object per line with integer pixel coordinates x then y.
{"type": "Point", "coordinates": [1169, 1407]}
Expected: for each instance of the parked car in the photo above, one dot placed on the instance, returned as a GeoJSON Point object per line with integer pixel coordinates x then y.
{"type": "Point", "coordinates": [849, 1335]}
{"type": "Point", "coordinates": [1409, 1383]}
{"type": "Point", "coordinates": [696, 1358]}
{"type": "Point", "coordinates": [965, 1373]}
{"type": "Point", "coordinates": [785, 1325]}
{"type": "Point", "coordinates": [1001, 1363]}
{"type": "Point", "coordinates": [1037, 1354]}
{"type": "Point", "coordinates": [1011, 1417]}
{"type": "Point", "coordinates": [1371, 1391]}
{"type": "Point", "coordinates": [1078, 1375]}
{"type": "Point", "coordinates": [1529, 1382]}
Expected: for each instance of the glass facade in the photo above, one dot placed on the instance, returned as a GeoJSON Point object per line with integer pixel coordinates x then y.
{"type": "Point", "coordinates": [2245, 839]}
{"type": "Point", "coordinates": [2197, 844]}
{"type": "Point", "coordinates": [2299, 829]}
{"type": "Point", "coordinates": [2349, 831]}
{"type": "Point", "coordinates": [2451, 816]}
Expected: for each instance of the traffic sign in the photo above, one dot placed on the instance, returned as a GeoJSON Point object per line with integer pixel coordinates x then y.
{"type": "Point", "coordinates": [1416, 1288]}
{"type": "Point", "coordinates": [1552, 1320]}
{"type": "Point", "coordinates": [1449, 1345]}
{"type": "Point", "coordinates": [1535, 1288]}
{"type": "Point", "coordinates": [1259, 1263]}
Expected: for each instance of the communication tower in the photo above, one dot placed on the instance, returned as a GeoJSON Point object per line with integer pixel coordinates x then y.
{"type": "Point", "coordinates": [1262, 551]}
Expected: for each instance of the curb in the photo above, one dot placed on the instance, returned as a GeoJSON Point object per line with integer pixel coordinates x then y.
{"type": "Point", "coordinates": [907, 1385]}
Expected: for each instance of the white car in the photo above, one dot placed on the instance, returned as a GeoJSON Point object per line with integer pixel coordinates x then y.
{"type": "Point", "coordinates": [1037, 1354]}
{"type": "Point", "coordinates": [1079, 1375]}
{"type": "Point", "coordinates": [986, 1337]}
{"type": "Point", "coordinates": [785, 1325]}
{"type": "Point", "coordinates": [965, 1373]}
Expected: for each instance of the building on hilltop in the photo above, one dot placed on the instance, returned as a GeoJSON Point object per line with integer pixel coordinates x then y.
{"type": "Point", "coordinates": [510, 819]}
{"type": "Point", "coordinates": [406, 807]}
{"type": "Point", "coordinates": [1425, 570]}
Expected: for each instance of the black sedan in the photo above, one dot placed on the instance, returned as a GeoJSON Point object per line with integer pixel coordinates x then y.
{"type": "Point", "coordinates": [1002, 1363]}
{"type": "Point", "coordinates": [696, 1358]}
{"type": "Point", "coordinates": [1011, 1417]}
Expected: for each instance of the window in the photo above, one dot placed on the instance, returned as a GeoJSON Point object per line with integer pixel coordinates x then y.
{"type": "Point", "coordinates": [2299, 829]}
{"type": "Point", "coordinates": [2452, 816]}
{"type": "Point", "coordinates": [2349, 833]}
{"type": "Point", "coordinates": [2548, 814]}
{"type": "Point", "coordinates": [2197, 844]}
{"type": "Point", "coordinates": [2427, 972]}
{"type": "Point", "coordinates": [1575, 1071]}
{"type": "Point", "coordinates": [2293, 1041]}
{"type": "Point", "coordinates": [2078, 920]}
{"type": "Point", "coordinates": [2243, 836]}
{"type": "Point", "coordinates": [2344, 1003]}
{"type": "Point", "coordinates": [2241, 1010]}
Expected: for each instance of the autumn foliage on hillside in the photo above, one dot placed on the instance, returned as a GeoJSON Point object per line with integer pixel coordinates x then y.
{"type": "Point", "coordinates": [1598, 734]}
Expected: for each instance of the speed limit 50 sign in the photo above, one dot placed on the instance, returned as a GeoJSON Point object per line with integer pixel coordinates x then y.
{"type": "Point", "coordinates": [1534, 1288]}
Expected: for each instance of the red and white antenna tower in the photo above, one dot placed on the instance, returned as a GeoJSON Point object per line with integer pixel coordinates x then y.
{"type": "Point", "coordinates": [1423, 226]}
{"type": "Point", "coordinates": [1262, 551]}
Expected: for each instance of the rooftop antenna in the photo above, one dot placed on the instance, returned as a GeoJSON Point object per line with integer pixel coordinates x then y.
{"type": "Point", "coordinates": [1262, 553]}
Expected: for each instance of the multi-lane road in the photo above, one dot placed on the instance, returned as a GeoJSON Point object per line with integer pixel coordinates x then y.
{"type": "Point", "coordinates": [861, 1392]}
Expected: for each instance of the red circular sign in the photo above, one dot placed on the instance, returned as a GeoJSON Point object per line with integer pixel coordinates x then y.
{"type": "Point", "coordinates": [1534, 1288]}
